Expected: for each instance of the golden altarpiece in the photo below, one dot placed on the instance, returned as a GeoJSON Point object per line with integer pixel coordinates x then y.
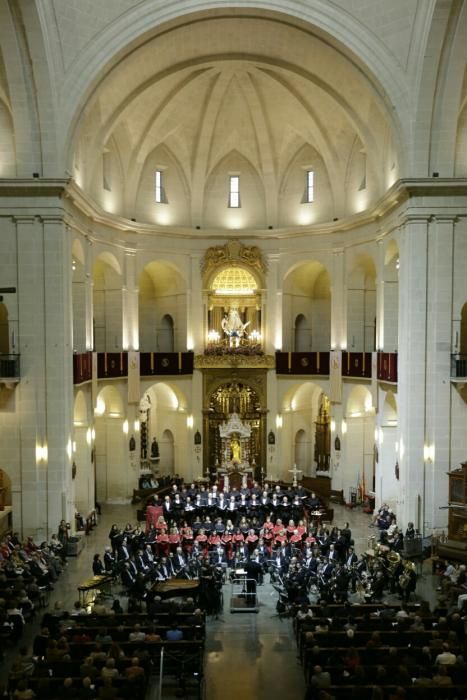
{"type": "Point", "coordinates": [233, 364]}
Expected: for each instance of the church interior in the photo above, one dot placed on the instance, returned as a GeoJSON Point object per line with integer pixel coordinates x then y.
{"type": "Point", "coordinates": [233, 240]}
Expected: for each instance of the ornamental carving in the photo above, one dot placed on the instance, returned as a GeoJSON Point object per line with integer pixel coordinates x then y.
{"type": "Point", "coordinates": [245, 361]}
{"type": "Point", "coordinates": [233, 253]}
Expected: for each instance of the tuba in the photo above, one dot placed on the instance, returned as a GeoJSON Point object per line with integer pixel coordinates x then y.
{"type": "Point", "coordinates": [393, 559]}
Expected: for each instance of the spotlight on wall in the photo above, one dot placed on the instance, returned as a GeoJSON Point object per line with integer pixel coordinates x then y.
{"type": "Point", "coordinates": [189, 421]}
{"type": "Point", "coordinates": [278, 421]}
{"type": "Point", "coordinates": [125, 427]}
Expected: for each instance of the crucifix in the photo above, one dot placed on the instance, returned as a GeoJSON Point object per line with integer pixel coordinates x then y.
{"type": "Point", "coordinates": [295, 471]}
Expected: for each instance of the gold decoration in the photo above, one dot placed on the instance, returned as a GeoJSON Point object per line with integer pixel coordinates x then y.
{"type": "Point", "coordinates": [245, 361]}
{"type": "Point", "coordinates": [234, 253]}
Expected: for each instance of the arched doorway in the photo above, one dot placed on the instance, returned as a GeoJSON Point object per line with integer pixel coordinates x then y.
{"type": "Point", "coordinates": [303, 337]}
{"type": "Point", "coordinates": [300, 455]}
{"type": "Point", "coordinates": [167, 454]}
{"type": "Point", "coordinates": [165, 334]}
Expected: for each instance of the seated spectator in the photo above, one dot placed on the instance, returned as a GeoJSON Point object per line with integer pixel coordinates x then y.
{"type": "Point", "coordinates": [115, 652]}
{"type": "Point", "coordinates": [87, 669]}
{"type": "Point", "coordinates": [320, 679]}
{"type": "Point", "coordinates": [103, 636]}
{"type": "Point", "coordinates": [109, 671]}
{"type": "Point", "coordinates": [22, 692]}
{"type": "Point", "coordinates": [151, 635]}
{"type": "Point", "coordinates": [173, 634]}
{"type": "Point", "coordinates": [137, 635]}
{"type": "Point", "coordinates": [134, 671]}
{"type": "Point", "coordinates": [442, 677]}
{"type": "Point", "coordinates": [446, 658]}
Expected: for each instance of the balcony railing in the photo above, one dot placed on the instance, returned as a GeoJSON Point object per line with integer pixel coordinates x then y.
{"type": "Point", "coordinates": [458, 366]}
{"type": "Point", "coordinates": [302, 363]}
{"type": "Point", "coordinates": [387, 366]}
{"type": "Point", "coordinates": [356, 364]}
{"type": "Point", "coordinates": [82, 367]}
{"type": "Point", "coordinates": [9, 367]}
{"type": "Point", "coordinates": [112, 365]}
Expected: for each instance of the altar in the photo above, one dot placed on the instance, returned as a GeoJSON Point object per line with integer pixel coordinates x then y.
{"type": "Point", "coordinates": [235, 468]}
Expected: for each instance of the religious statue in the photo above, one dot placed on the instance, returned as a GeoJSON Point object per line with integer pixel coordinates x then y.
{"type": "Point", "coordinates": [235, 447]}
{"type": "Point", "coordinates": [154, 449]}
{"type": "Point", "coordinates": [233, 327]}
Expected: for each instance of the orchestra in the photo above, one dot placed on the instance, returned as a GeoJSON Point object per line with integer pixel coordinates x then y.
{"type": "Point", "coordinates": [208, 532]}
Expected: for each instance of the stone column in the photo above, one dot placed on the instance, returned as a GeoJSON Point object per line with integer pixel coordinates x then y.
{"type": "Point", "coordinates": [89, 295]}
{"type": "Point", "coordinates": [31, 390]}
{"type": "Point", "coordinates": [195, 329]}
{"type": "Point", "coordinates": [379, 294]}
{"type": "Point", "coordinates": [338, 301]}
{"type": "Point", "coordinates": [272, 325]}
{"type": "Point", "coordinates": [45, 393]}
{"type": "Point", "coordinates": [130, 320]}
{"type": "Point", "coordinates": [438, 387]}
{"type": "Point", "coordinates": [413, 279]}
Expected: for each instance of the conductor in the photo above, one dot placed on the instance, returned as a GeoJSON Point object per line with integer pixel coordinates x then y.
{"type": "Point", "coordinates": [253, 577]}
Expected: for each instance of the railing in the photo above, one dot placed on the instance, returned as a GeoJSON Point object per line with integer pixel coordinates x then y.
{"type": "Point", "coordinates": [387, 366]}
{"type": "Point", "coordinates": [356, 364]}
{"type": "Point", "coordinates": [302, 363]}
{"type": "Point", "coordinates": [82, 367]}
{"type": "Point", "coordinates": [9, 367]}
{"type": "Point", "coordinates": [153, 363]}
{"type": "Point", "coordinates": [458, 366]}
{"type": "Point", "coordinates": [111, 365]}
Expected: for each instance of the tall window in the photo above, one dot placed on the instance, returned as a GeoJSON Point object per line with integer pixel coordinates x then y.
{"type": "Point", "coordinates": [234, 191]}
{"type": "Point", "coordinates": [106, 171]}
{"type": "Point", "coordinates": [310, 186]}
{"type": "Point", "coordinates": [158, 189]}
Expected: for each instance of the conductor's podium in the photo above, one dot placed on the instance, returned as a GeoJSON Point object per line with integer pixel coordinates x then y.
{"type": "Point", "coordinates": [89, 589]}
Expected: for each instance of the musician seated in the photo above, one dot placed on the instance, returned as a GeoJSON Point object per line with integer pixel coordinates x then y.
{"type": "Point", "coordinates": [313, 502]}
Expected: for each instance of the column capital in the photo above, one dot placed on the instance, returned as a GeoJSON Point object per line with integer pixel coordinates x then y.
{"type": "Point", "coordinates": [446, 218]}
{"type": "Point", "coordinates": [24, 219]}
{"type": "Point", "coordinates": [51, 219]}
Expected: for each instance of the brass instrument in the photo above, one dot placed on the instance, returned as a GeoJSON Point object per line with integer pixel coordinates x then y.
{"type": "Point", "coordinates": [404, 580]}
{"type": "Point", "coordinates": [393, 559]}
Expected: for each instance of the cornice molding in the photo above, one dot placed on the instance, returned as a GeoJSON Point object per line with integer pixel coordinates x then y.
{"type": "Point", "coordinates": [400, 192]}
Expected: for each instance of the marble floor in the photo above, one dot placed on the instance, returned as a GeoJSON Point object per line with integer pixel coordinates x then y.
{"type": "Point", "coordinates": [248, 655]}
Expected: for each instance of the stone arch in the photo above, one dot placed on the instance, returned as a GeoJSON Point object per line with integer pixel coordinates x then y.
{"type": "Point", "coordinates": [307, 291]}
{"type": "Point", "coordinates": [167, 453]}
{"type": "Point", "coordinates": [162, 294]}
{"type": "Point", "coordinates": [359, 402]}
{"type": "Point", "coordinates": [109, 402]}
{"type": "Point", "coordinates": [80, 410]}
{"type": "Point", "coordinates": [107, 303]}
{"type": "Point", "coordinates": [361, 304]}
{"type": "Point", "coordinates": [368, 51]}
{"type": "Point", "coordinates": [389, 415]}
